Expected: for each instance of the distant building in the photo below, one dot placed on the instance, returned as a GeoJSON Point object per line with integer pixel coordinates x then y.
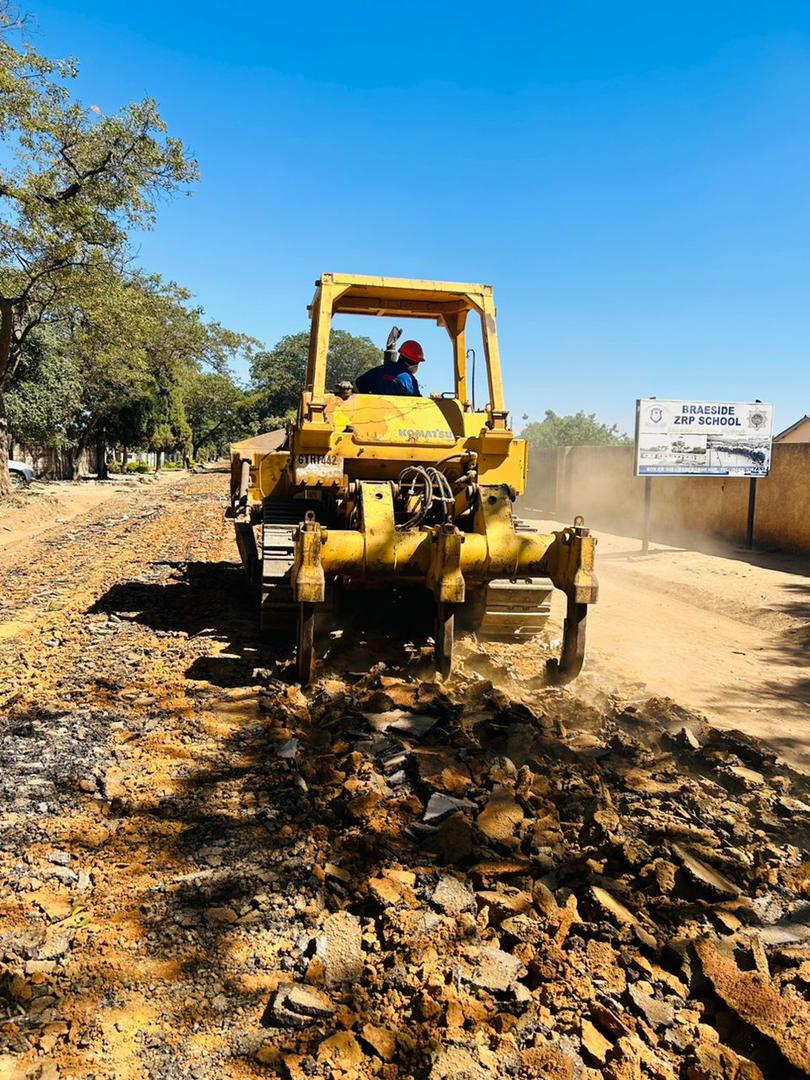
{"type": "Point", "coordinates": [798, 432]}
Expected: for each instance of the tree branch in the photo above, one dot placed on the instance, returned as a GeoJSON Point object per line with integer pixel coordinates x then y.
{"type": "Point", "coordinates": [55, 268]}
{"type": "Point", "coordinates": [203, 439]}
{"type": "Point", "coordinates": [72, 190]}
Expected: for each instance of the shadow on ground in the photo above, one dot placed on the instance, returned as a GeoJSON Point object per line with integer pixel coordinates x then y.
{"type": "Point", "coordinates": [215, 599]}
{"type": "Point", "coordinates": [788, 654]}
{"type": "Point", "coordinates": [210, 599]}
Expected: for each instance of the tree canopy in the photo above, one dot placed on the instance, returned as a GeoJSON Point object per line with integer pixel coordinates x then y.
{"type": "Point", "coordinates": [73, 181]}
{"type": "Point", "coordinates": [278, 374]}
{"type": "Point", "coordinates": [217, 409]}
{"type": "Point", "coordinates": [121, 369]}
{"type": "Point", "coordinates": [579, 429]}
{"type": "Point", "coordinates": [46, 396]}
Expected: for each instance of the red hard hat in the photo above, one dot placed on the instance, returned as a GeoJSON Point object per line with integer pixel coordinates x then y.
{"type": "Point", "coordinates": [412, 351]}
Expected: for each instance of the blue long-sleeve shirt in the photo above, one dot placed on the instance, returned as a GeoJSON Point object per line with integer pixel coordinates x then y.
{"type": "Point", "coordinates": [389, 379]}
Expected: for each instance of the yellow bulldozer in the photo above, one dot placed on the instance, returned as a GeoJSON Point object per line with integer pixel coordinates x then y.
{"type": "Point", "coordinates": [386, 492]}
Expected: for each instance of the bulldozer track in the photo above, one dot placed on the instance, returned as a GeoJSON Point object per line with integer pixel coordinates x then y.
{"type": "Point", "coordinates": [279, 612]}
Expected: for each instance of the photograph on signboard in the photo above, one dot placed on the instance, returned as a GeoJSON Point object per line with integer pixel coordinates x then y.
{"type": "Point", "coordinates": [723, 451]}
{"type": "Point", "coordinates": [703, 438]}
{"type": "Point", "coordinates": [654, 449]}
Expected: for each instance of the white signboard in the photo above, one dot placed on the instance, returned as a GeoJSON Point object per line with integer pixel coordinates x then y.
{"type": "Point", "coordinates": [703, 438]}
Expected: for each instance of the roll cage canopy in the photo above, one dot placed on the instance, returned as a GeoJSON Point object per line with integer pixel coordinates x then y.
{"type": "Point", "coordinates": [448, 303]}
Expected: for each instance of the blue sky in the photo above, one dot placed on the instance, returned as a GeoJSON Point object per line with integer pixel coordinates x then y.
{"type": "Point", "coordinates": [633, 179]}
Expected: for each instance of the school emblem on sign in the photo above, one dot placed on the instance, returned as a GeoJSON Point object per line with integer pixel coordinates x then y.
{"type": "Point", "coordinates": [656, 414]}
{"type": "Point", "coordinates": [757, 420]}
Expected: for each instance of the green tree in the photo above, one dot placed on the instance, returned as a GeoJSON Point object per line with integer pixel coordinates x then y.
{"type": "Point", "coordinates": [139, 343]}
{"type": "Point", "coordinates": [185, 348]}
{"type": "Point", "coordinates": [46, 396]}
{"type": "Point", "coordinates": [580, 429]}
{"type": "Point", "coordinates": [172, 430]}
{"type": "Point", "coordinates": [25, 76]}
{"type": "Point", "coordinates": [279, 374]}
{"type": "Point", "coordinates": [72, 183]}
{"type": "Point", "coordinates": [109, 333]}
{"type": "Point", "coordinates": [216, 409]}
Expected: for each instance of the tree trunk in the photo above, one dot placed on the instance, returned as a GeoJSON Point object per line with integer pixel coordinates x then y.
{"type": "Point", "coordinates": [101, 458]}
{"type": "Point", "coordinates": [5, 479]}
{"type": "Point", "coordinates": [81, 445]}
{"type": "Point", "coordinates": [158, 460]}
{"type": "Point", "coordinates": [6, 330]}
{"type": "Point", "coordinates": [124, 458]}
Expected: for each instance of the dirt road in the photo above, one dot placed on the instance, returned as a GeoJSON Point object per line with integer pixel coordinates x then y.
{"type": "Point", "coordinates": [727, 633]}
{"type": "Point", "coordinates": [35, 510]}
{"type": "Point", "coordinates": [206, 873]}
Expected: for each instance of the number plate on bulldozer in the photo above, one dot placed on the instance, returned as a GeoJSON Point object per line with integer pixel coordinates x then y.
{"type": "Point", "coordinates": [318, 468]}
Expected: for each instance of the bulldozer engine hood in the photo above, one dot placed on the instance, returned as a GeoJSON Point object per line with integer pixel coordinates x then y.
{"type": "Point", "coordinates": [378, 419]}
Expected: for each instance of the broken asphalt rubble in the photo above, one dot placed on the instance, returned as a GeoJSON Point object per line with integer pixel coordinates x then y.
{"type": "Point", "coordinates": [531, 886]}
{"type": "Point", "coordinates": [205, 872]}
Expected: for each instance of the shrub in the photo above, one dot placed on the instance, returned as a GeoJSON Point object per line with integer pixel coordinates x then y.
{"type": "Point", "coordinates": [138, 467]}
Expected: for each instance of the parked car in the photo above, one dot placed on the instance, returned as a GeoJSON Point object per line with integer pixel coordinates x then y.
{"type": "Point", "coordinates": [20, 473]}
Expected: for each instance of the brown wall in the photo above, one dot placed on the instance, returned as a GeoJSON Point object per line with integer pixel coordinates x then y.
{"type": "Point", "coordinates": [598, 482]}
{"type": "Point", "coordinates": [783, 500]}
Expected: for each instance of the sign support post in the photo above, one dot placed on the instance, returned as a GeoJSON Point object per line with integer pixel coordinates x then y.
{"type": "Point", "coordinates": [645, 537]}
{"type": "Point", "coordinates": [752, 509]}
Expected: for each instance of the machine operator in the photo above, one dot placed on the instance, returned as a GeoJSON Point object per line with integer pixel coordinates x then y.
{"type": "Point", "coordinates": [397, 378]}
